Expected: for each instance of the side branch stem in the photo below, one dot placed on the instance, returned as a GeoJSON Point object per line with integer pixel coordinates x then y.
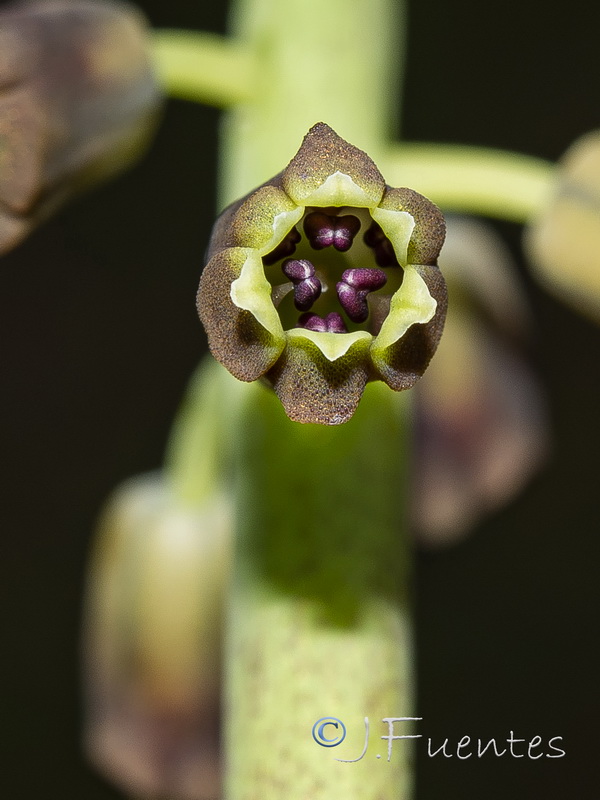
{"type": "Point", "coordinates": [475, 180]}
{"type": "Point", "coordinates": [204, 67]}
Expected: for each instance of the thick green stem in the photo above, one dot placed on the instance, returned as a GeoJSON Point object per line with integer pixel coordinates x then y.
{"type": "Point", "coordinates": [319, 618]}
{"type": "Point", "coordinates": [318, 622]}
{"type": "Point", "coordinates": [335, 61]}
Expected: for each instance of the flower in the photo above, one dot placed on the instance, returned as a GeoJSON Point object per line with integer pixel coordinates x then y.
{"type": "Point", "coordinates": [78, 99]}
{"type": "Point", "coordinates": [363, 276]}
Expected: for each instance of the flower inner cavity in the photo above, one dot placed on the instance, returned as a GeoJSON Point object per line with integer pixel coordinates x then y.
{"type": "Point", "coordinates": [344, 280]}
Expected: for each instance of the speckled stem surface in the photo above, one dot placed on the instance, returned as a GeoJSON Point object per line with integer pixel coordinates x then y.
{"type": "Point", "coordinates": [319, 618]}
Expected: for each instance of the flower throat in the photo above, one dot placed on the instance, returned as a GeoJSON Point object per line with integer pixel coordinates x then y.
{"type": "Point", "coordinates": [341, 272]}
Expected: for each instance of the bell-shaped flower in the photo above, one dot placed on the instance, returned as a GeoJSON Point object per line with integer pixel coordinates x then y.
{"type": "Point", "coordinates": [78, 99]}
{"type": "Point", "coordinates": [325, 278]}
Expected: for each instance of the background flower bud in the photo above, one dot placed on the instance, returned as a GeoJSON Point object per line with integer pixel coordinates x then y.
{"type": "Point", "coordinates": [152, 639]}
{"type": "Point", "coordinates": [481, 421]}
{"type": "Point", "coordinates": [78, 99]}
{"type": "Point", "coordinates": [564, 241]}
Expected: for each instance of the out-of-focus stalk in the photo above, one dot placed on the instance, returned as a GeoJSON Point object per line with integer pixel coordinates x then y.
{"type": "Point", "coordinates": [319, 614]}
{"type": "Point", "coordinates": [204, 67]}
{"type": "Point", "coordinates": [473, 180]}
{"type": "Point", "coordinates": [318, 622]}
{"type": "Point", "coordinates": [335, 61]}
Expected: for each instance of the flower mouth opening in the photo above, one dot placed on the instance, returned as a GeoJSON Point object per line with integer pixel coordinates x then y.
{"type": "Point", "coordinates": [334, 271]}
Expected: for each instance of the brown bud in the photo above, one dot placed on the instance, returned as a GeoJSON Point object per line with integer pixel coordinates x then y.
{"type": "Point", "coordinates": [78, 99]}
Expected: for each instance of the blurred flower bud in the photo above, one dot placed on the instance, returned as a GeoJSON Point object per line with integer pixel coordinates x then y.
{"type": "Point", "coordinates": [152, 640]}
{"type": "Point", "coordinates": [78, 100]}
{"type": "Point", "coordinates": [481, 428]}
{"type": "Point", "coordinates": [563, 243]}
{"type": "Point", "coordinates": [363, 276]}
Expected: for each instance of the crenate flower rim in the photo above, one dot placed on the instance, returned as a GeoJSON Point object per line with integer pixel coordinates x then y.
{"type": "Point", "coordinates": [410, 304]}
{"type": "Point", "coordinates": [325, 278]}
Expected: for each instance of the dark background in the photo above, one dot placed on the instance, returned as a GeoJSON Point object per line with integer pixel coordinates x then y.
{"type": "Point", "coordinates": [99, 335]}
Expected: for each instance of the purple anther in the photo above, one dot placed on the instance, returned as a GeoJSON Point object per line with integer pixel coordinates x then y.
{"type": "Point", "coordinates": [284, 248]}
{"type": "Point", "coordinates": [306, 293]}
{"type": "Point", "coordinates": [332, 323]}
{"type": "Point", "coordinates": [297, 269]}
{"type": "Point", "coordinates": [312, 322]}
{"type": "Point", "coordinates": [307, 287]}
{"type": "Point", "coordinates": [369, 279]}
{"type": "Point", "coordinates": [323, 230]}
{"type": "Point", "coordinates": [353, 289]}
{"type": "Point", "coordinates": [384, 253]}
{"type": "Point", "coordinates": [335, 323]}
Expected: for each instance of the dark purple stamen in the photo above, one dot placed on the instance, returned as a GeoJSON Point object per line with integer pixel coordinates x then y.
{"type": "Point", "coordinates": [307, 287]}
{"type": "Point", "coordinates": [335, 323]}
{"type": "Point", "coordinates": [306, 292]}
{"type": "Point", "coordinates": [384, 252]}
{"type": "Point", "coordinates": [353, 289]}
{"type": "Point", "coordinates": [332, 323]}
{"type": "Point", "coordinates": [323, 230]}
{"type": "Point", "coordinates": [297, 269]}
{"type": "Point", "coordinates": [284, 248]}
{"type": "Point", "coordinates": [312, 322]}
